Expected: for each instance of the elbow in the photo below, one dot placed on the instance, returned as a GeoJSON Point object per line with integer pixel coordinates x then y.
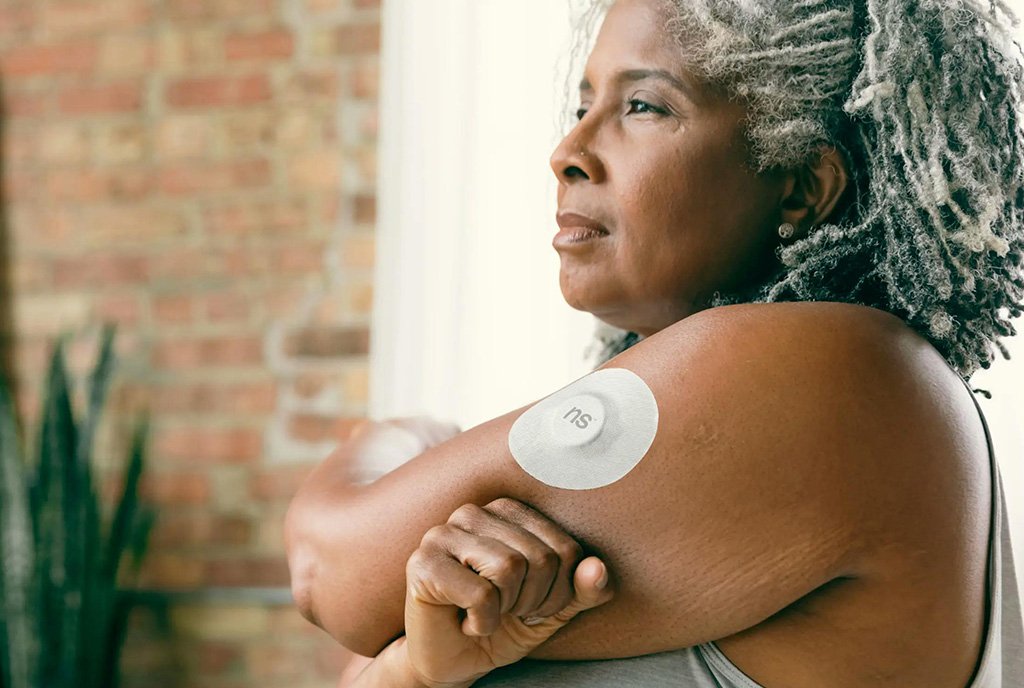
{"type": "Point", "coordinates": [318, 588]}
{"type": "Point", "coordinates": [302, 563]}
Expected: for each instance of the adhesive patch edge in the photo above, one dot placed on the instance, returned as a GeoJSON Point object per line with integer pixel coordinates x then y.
{"type": "Point", "coordinates": [589, 434]}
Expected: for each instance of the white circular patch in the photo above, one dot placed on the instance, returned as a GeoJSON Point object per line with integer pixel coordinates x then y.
{"type": "Point", "coordinates": [588, 434]}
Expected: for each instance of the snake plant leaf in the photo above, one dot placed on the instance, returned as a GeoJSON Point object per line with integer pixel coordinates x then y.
{"type": "Point", "coordinates": [20, 652]}
{"type": "Point", "coordinates": [61, 489]}
{"type": "Point", "coordinates": [124, 516]}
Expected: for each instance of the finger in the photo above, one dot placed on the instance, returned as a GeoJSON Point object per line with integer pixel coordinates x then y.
{"type": "Point", "coordinates": [436, 585]}
{"type": "Point", "coordinates": [569, 551]}
{"type": "Point", "coordinates": [504, 566]}
{"type": "Point", "coordinates": [591, 588]}
{"type": "Point", "coordinates": [543, 563]}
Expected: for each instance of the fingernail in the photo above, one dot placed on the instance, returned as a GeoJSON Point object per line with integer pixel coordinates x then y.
{"type": "Point", "coordinates": [603, 580]}
{"type": "Point", "coordinates": [534, 620]}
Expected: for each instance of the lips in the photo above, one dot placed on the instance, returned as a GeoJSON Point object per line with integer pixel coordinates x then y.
{"type": "Point", "coordinates": [573, 220]}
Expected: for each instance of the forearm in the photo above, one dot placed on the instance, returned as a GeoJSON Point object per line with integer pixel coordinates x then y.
{"type": "Point", "coordinates": [348, 543]}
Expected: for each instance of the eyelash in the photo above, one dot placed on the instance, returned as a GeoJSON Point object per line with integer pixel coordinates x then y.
{"type": "Point", "coordinates": [633, 102]}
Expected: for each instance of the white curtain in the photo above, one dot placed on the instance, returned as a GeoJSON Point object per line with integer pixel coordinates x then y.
{"type": "Point", "coordinates": [469, 322]}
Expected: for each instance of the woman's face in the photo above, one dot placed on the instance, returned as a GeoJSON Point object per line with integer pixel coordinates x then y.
{"type": "Point", "coordinates": [659, 161]}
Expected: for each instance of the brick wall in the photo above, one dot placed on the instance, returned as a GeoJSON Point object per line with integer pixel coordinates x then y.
{"type": "Point", "coordinates": [202, 173]}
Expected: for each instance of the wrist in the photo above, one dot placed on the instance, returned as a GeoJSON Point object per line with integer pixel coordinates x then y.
{"type": "Point", "coordinates": [404, 673]}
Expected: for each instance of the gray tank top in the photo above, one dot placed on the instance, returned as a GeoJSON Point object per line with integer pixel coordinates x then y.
{"type": "Point", "coordinates": [705, 666]}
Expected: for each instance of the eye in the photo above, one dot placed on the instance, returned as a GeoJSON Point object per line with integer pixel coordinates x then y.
{"type": "Point", "coordinates": [641, 107]}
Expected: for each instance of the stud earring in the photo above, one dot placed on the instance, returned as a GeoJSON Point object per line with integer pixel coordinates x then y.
{"type": "Point", "coordinates": [786, 230]}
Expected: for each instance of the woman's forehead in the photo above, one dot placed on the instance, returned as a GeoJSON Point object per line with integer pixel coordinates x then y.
{"type": "Point", "coordinates": [635, 39]}
{"type": "Point", "coordinates": [634, 33]}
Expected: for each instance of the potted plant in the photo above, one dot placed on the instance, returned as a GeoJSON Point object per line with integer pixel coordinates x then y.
{"type": "Point", "coordinates": [63, 617]}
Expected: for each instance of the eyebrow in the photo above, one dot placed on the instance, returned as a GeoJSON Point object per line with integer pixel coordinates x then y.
{"type": "Point", "coordinates": [631, 75]}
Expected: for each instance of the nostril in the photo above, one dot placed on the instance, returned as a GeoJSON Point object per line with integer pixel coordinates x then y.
{"type": "Point", "coordinates": [574, 171]}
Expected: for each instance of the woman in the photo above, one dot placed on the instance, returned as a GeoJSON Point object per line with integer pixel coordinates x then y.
{"type": "Point", "coordinates": [820, 505]}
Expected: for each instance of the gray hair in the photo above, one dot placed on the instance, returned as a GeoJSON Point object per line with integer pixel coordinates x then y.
{"type": "Point", "coordinates": [923, 97]}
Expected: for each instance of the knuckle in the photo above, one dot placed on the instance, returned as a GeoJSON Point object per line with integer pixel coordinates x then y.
{"type": "Point", "coordinates": [434, 536]}
{"type": "Point", "coordinates": [467, 513]}
{"type": "Point", "coordinates": [417, 563]}
{"type": "Point", "coordinates": [570, 551]}
{"type": "Point", "coordinates": [483, 595]}
{"type": "Point", "coordinates": [512, 564]}
{"type": "Point", "coordinates": [547, 560]}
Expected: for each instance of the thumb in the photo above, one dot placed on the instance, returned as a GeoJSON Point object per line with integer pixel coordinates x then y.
{"type": "Point", "coordinates": [589, 573]}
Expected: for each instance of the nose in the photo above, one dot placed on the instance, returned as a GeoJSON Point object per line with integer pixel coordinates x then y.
{"type": "Point", "coordinates": [574, 160]}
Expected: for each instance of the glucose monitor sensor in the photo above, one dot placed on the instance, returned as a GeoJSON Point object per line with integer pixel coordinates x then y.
{"type": "Point", "coordinates": [588, 434]}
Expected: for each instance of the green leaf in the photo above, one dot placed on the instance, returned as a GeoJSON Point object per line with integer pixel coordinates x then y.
{"type": "Point", "coordinates": [17, 575]}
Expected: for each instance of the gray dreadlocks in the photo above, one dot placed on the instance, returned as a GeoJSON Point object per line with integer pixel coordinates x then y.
{"type": "Point", "coordinates": [923, 97]}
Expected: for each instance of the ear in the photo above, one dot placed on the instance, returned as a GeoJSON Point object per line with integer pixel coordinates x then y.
{"type": "Point", "coordinates": [812, 191]}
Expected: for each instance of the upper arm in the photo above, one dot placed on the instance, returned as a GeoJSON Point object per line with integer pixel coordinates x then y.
{"type": "Point", "coordinates": [746, 501]}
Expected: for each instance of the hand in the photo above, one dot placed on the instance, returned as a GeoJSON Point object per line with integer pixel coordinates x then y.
{"type": "Point", "coordinates": [380, 447]}
{"type": "Point", "coordinates": [499, 562]}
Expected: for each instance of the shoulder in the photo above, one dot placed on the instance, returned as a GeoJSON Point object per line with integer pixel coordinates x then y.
{"type": "Point", "coordinates": [846, 395]}
{"type": "Point", "coordinates": [809, 356]}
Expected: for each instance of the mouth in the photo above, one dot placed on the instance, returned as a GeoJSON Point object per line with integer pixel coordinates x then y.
{"type": "Point", "coordinates": [577, 231]}
{"type": "Point", "coordinates": [576, 222]}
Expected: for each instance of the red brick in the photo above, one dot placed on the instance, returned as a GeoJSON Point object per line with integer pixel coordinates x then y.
{"type": "Point", "coordinates": [256, 217]}
{"type": "Point", "coordinates": [218, 91]}
{"type": "Point", "coordinates": [34, 60]}
{"type": "Point", "coordinates": [92, 184]}
{"type": "Point", "coordinates": [216, 658]}
{"type": "Point", "coordinates": [21, 103]}
{"type": "Point", "coordinates": [366, 79]}
{"type": "Point", "coordinates": [16, 19]}
{"type": "Point", "coordinates": [298, 259]}
{"type": "Point", "coordinates": [329, 342]}
{"type": "Point", "coordinates": [242, 398]}
{"type": "Point", "coordinates": [312, 428]}
{"type": "Point", "coordinates": [92, 17]}
{"type": "Point", "coordinates": [222, 9]}
{"type": "Point", "coordinates": [308, 86]}
{"type": "Point", "coordinates": [126, 54]}
{"type": "Point", "coordinates": [357, 39]}
{"type": "Point", "coordinates": [247, 572]}
{"type": "Point", "coordinates": [276, 44]}
{"type": "Point", "coordinates": [173, 309]}
{"type": "Point", "coordinates": [365, 209]}
{"type": "Point", "coordinates": [100, 270]}
{"type": "Point", "coordinates": [225, 307]}
{"type": "Point", "coordinates": [189, 354]}
{"type": "Point", "coordinates": [175, 489]}
{"type": "Point", "coordinates": [122, 309]}
{"type": "Point", "coordinates": [319, 170]}
{"type": "Point", "coordinates": [280, 483]}
{"type": "Point", "coordinates": [108, 98]}
{"type": "Point", "coordinates": [279, 661]}
{"type": "Point", "coordinates": [199, 178]}
{"type": "Point", "coordinates": [182, 264]}
{"type": "Point", "coordinates": [170, 571]}
{"type": "Point", "coordinates": [179, 530]}
{"type": "Point", "coordinates": [197, 445]}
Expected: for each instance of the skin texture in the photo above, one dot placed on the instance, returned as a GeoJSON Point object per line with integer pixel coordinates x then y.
{"type": "Point", "coordinates": [772, 514]}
